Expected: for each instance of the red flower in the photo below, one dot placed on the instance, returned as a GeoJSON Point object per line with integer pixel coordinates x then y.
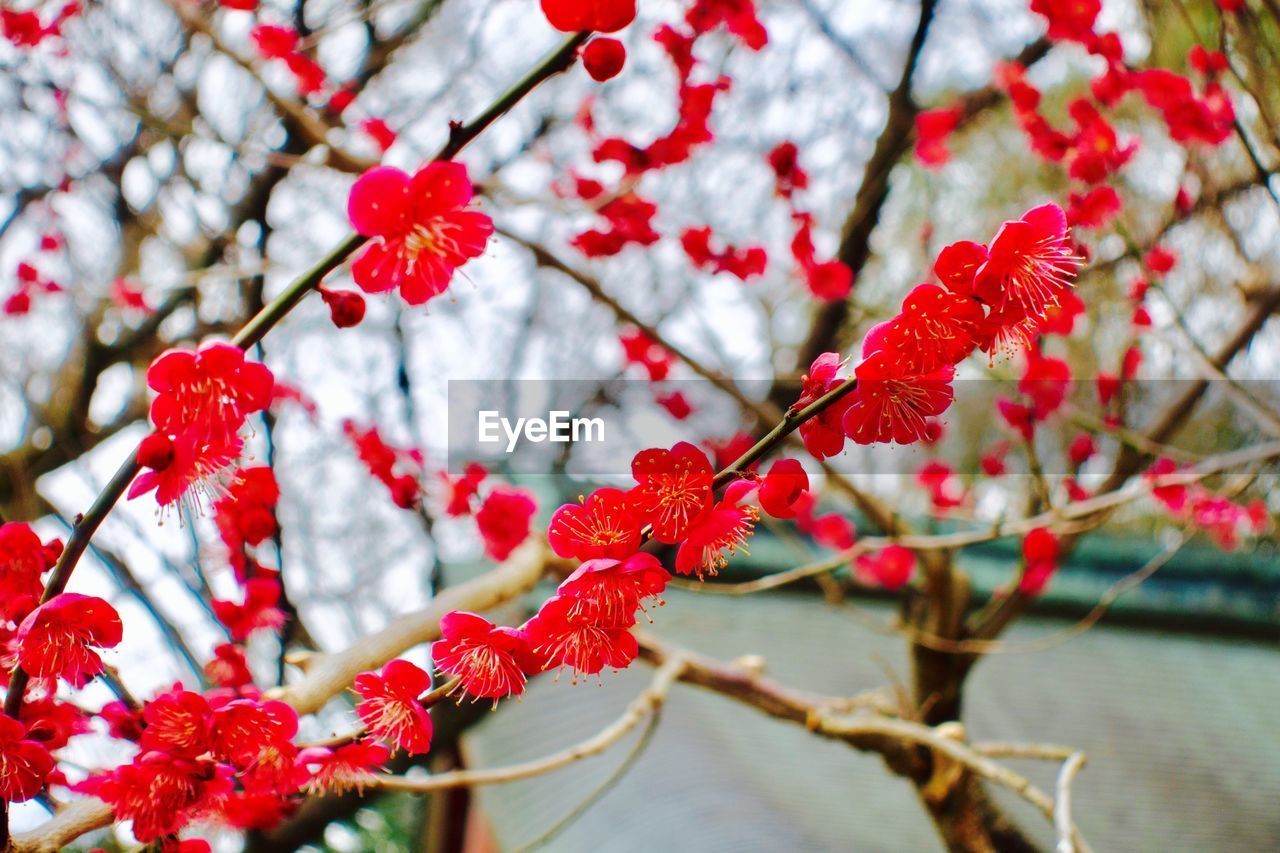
{"type": "Point", "coordinates": [190, 466]}
{"type": "Point", "coordinates": [889, 405]}
{"type": "Point", "coordinates": [159, 793]}
{"type": "Point", "coordinates": [504, 520]}
{"type": "Point", "coordinates": [23, 559]}
{"type": "Point", "coordinates": [1095, 209]}
{"type": "Point", "coordinates": [308, 75]}
{"type": "Point", "coordinates": [346, 307]}
{"type": "Point", "coordinates": [1096, 150]}
{"type": "Point", "coordinates": [273, 42]}
{"type": "Point", "coordinates": [1070, 20]}
{"type": "Point", "coordinates": [939, 480]}
{"type": "Point", "coordinates": [829, 280]}
{"type": "Point", "coordinates": [1040, 549]}
{"type": "Point", "coordinates": [718, 536]}
{"type": "Point", "coordinates": [459, 492]}
{"type": "Point", "coordinates": [567, 632]}
{"type": "Point", "coordinates": [605, 16]}
{"type": "Point", "coordinates": [958, 264]}
{"type": "Point", "coordinates": [51, 722]}
{"type": "Point", "coordinates": [640, 349]}
{"type": "Point", "coordinates": [614, 589]}
{"type": "Point", "coordinates": [347, 768]}
{"type": "Point", "coordinates": [229, 667]}
{"type": "Point", "coordinates": [209, 391]}
{"type": "Point", "coordinates": [834, 531]}
{"type": "Point", "coordinates": [823, 435]}
{"type": "Point", "coordinates": [738, 16]}
{"type": "Point", "coordinates": [891, 567]}
{"type": "Point", "coordinates": [1160, 260]}
{"type": "Point", "coordinates": [629, 217]}
{"type": "Point", "coordinates": [606, 524]}
{"type": "Point", "coordinates": [491, 661]}
{"type": "Point", "coordinates": [1031, 264]}
{"type": "Point", "coordinates": [256, 738]}
{"type": "Point", "coordinates": [1082, 447]}
{"type": "Point", "coordinates": [177, 723]}
{"type": "Point", "coordinates": [782, 487]}
{"type": "Point", "coordinates": [784, 159]}
{"type": "Point", "coordinates": [933, 129]}
{"type": "Point", "coordinates": [676, 404]}
{"type": "Point", "coordinates": [259, 610]}
{"type": "Point", "coordinates": [603, 58]}
{"type": "Point", "coordinates": [24, 763]}
{"type": "Point", "coordinates": [422, 227]}
{"type": "Point", "coordinates": [935, 329]}
{"type": "Point", "coordinates": [1046, 382]}
{"type": "Point", "coordinates": [380, 132]}
{"type": "Point", "coordinates": [246, 514]}
{"type": "Point", "coordinates": [58, 638]}
{"type": "Point", "coordinates": [390, 708]}
{"type": "Point", "coordinates": [674, 490]}
{"type": "Point", "coordinates": [741, 262]}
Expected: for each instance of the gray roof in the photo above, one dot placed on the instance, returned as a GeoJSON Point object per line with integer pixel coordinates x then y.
{"type": "Point", "coordinates": [1179, 729]}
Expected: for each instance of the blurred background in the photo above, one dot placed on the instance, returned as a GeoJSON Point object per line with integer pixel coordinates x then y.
{"type": "Point", "coordinates": [185, 192]}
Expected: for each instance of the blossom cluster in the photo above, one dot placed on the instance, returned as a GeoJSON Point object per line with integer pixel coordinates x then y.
{"type": "Point", "coordinates": [202, 401]}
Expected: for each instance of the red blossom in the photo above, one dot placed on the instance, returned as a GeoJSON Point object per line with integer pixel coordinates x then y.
{"type": "Point", "coordinates": [25, 764]}
{"type": "Point", "coordinates": [831, 280]}
{"type": "Point", "coordinates": [1082, 447]}
{"type": "Point", "coordinates": [935, 329]}
{"type": "Point", "coordinates": [1030, 265]}
{"type": "Point", "coordinates": [256, 738]}
{"type": "Point", "coordinates": [349, 767]}
{"type": "Point", "coordinates": [1070, 20]}
{"type": "Point", "coordinates": [1095, 209]}
{"type": "Point", "coordinates": [177, 723]}
{"type": "Point", "coordinates": [741, 262]}
{"type": "Point", "coordinates": [1040, 550]}
{"type": "Point", "coordinates": [273, 42]}
{"type": "Point", "coordinates": [640, 349]}
{"type": "Point", "coordinates": [616, 589]}
{"type": "Point", "coordinates": [159, 793]}
{"type": "Point", "coordinates": [674, 491]}
{"type": "Point", "coordinates": [605, 16]}
{"type": "Point", "coordinates": [933, 129]}
{"type": "Point", "coordinates": [58, 639]}
{"type": "Point", "coordinates": [229, 667]}
{"type": "Point", "coordinates": [891, 567]}
{"type": "Point", "coordinates": [823, 434]}
{"type": "Point", "coordinates": [603, 58]}
{"type": "Point", "coordinates": [246, 515]}
{"type": "Point", "coordinates": [605, 524]}
{"type": "Point", "coordinates": [737, 16]}
{"type": "Point", "coordinates": [52, 722]}
{"type": "Point", "coordinates": [422, 227]}
{"type": "Point", "coordinates": [459, 492]}
{"type": "Point", "coordinates": [719, 535]}
{"type": "Point", "coordinates": [190, 466]}
{"type": "Point", "coordinates": [892, 405]}
{"type": "Point", "coordinates": [490, 660]}
{"type": "Point", "coordinates": [504, 520]}
{"type": "Point", "coordinates": [566, 632]}
{"type": "Point", "coordinates": [208, 392]}
{"type": "Point", "coordinates": [782, 487]}
{"type": "Point", "coordinates": [23, 559]}
{"type": "Point", "coordinates": [676, 404]}
{"type": "Point", "coordinates": [380, 132]}
{"type": "Point", "coordinates": [258, 611]}
{"type": "Point", "coordinates": [939, 480]}
{"type": "Point", "coordinates": [784, 159]}
{"type": "Point", "coordinates": [389, 705]}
